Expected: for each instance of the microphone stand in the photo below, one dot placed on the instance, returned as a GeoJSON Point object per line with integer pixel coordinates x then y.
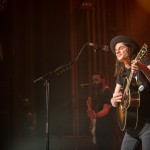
{"type": "Point", "coordinates": [47, 114]}
{"type": "Point", "coordinates": [46, 78]}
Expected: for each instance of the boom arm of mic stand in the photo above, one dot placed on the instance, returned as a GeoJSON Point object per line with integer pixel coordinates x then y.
{"type": "Point", "coordinates": [62, 68]}
{"type": "Point", "coordinates": [57, 71]}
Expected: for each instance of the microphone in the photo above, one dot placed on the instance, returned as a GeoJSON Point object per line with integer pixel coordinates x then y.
{"type": "Point", "coordinates": [85, 84]}
{"type": "Point", "coordinates": [97, 47]}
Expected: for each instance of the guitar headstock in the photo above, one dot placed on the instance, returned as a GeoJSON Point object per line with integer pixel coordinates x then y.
{"type": "Point", "coordinates": [142, 52]}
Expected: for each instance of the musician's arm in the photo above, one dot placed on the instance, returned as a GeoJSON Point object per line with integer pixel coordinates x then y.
{"type": "Point", "coordinates": [117, 95]}
{"type": "Point", "coordinates": [118, 88]}
{"type": "Point", "coordinates": [104, 111]}
{"type": "Point", "coordinates": [146, 71]}
{"type": "Point", "coordinates": [137, 65]}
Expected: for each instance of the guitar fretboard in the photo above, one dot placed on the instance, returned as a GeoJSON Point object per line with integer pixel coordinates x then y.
{"type": "Point", "coordinates": [139, 57]}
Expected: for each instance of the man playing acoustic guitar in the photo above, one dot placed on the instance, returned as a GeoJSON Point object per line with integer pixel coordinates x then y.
{"type": "Point", "coordinates": [132, 92]}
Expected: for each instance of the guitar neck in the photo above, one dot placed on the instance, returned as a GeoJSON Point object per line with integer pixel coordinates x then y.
{"type": "Point", "coordinates": [139, 57]}
{"type": "Point", "coordinates": [129, 82]}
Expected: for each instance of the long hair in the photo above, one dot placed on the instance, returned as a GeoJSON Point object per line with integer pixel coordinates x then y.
{"type": "Point", "coordinates": [119, 66]}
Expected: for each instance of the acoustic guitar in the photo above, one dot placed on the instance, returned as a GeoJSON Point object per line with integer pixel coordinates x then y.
{"type": "Point", "coordinates": [129, 106]}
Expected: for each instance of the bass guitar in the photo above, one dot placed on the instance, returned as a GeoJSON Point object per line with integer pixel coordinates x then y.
{"type": "Point", "coordinates": [129, 106]}
{"type": "Point", "coordinates": [92, 120]}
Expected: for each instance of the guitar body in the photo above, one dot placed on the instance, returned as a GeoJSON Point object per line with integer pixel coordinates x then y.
{"type": "Point", "coordinates": [128, 108]}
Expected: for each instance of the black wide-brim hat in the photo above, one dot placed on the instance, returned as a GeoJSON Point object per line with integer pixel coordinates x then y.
{"type": "Point", "coordinates": [124, 39]}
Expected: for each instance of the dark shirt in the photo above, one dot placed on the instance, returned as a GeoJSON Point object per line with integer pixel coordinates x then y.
{"type": "Point", "coordinates": [143, 86]}
{"type": "Point", "coordinates": [104, 124]}
{"type": "Point", "coordinates": [99, 98]}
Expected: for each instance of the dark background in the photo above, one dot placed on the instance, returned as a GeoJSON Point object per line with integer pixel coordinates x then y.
{"type": "Point", "coordinates": [39, 36]}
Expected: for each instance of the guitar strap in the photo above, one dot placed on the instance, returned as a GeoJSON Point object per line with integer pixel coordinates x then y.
{"type": "Point", "coordinates": [139, 82]}
{"type": "Point", "coordinates": [135, 80]}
